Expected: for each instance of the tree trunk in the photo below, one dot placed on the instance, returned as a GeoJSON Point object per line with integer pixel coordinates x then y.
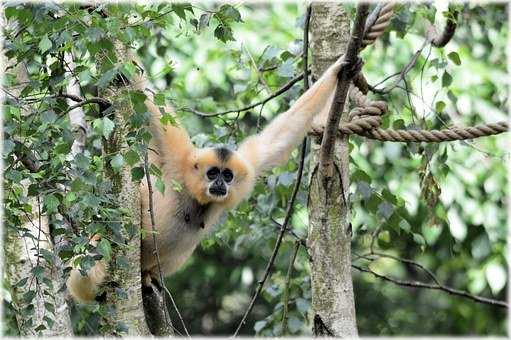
{"type": "Point", "coordinates": [124, 290]}
{"type": "Point", "coordinates": [329, 238]}
{"type": "Point", "coordinates": [44, 313]}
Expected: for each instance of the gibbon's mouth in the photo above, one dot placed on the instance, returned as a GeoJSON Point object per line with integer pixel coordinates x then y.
{"type": "Point", "coordinates": [218, 192]}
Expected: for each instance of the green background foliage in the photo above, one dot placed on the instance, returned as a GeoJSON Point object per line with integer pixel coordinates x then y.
{"type": "Point", "coordinates": [443, 205]}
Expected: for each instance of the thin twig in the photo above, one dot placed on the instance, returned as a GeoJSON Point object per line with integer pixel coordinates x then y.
{"type": "Point", "coordinates": [403, 260]}
{"type": "Point", "coordinates": [452, 291]}
{"type": "Point", "coordinates": [286, 287]}
{"type": "Point", "coordinates": [269, 266]}
{"type": "Point", "coordinates": [402, 74]}
{"type": "Point", "coordinates": [156, 253]}
{"type": "Point", "coordinates": [298, 181]}
{"type": "Point", "coordinates": [94, 100]}
{"type": "Point", "coordinates": [280, 91]}
{"type": "Point", "coordinates": [290, 231]}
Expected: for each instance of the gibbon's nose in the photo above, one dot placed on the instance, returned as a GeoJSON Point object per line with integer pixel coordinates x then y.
{"type": "Point", "coordinates": [218, 190]}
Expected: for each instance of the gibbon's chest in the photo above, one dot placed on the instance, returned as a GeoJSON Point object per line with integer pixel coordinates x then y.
{"type": "Point", "coordinates": [189, 213]}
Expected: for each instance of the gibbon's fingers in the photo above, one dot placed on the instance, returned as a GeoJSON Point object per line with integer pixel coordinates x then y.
{"type": "Point", "coordinates": [272, 146]}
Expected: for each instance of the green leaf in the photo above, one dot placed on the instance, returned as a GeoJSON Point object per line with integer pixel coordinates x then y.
{"type": "Point", "coordinates": [496, 276]}
{"type": "Point", "coordinates": [105, 249]}
{"type": "Point", "coordinates": [294, 324]}
{"type": "Point", "coordinates": [439, 106]}
{"type": "Point", "coordinates": [160, 185]}
{"type": "Point", "coordinates": [108, 127]}
{"type": "Point", "coordinates": [446, 79]}
{"type": "Point", "coordinates": [49, 307]}
{"type": "Point", "coordinates": [62, 148]}
{"type": "Point", "coordinates": [106, 78]}
{"type": "Point", "coordinates": [259, 325]}
{"type": "Point", "coordinates": [49, 117]}
{"type": "Point", "coordinates": [29, 296]}
{"type": "Point", "coordinates": [117, 162]}
{"type": "Point", "coordinates": [224, 33]}
{"type": "Point", "coordinates": [180, 10]}
{"type": "Point", "coordinates": [131, 157]}
{"type": "Point", "coordinates": [45, 44]}
{"type": "Point", "coordinates": [286, 69]}
{"type": "Point", "coordinates": [39, 328]}
{"type": "Point", "coordinates": [167, 119]}
{"type": "Point", "coordinates": [303, 305]}
{"type": "Point", "coordinates": [384, 236]}
{"type": "Point", "coordinates": [51, 202]}
{"type": "Point", "coordinates": [418, 238]}
{"type": "Point", "coordinates": [159, 99]}
{"type": "Point", "coordinates": [38, 272]}
{"type": "Point", "coordinates": [137, 173]}
{"type": "Point", "coordinates": [21, 282]}
{"type": "Point", "coordinates": [230, 13]}
{"type": "Point", "coordinates": [455, 58]}
{"type": "Point", "coordinates": [385, 209]}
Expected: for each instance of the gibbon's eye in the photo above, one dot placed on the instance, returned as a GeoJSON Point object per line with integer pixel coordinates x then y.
{"type": "Point", "coordinates": [213, 173]}
{"type": "Point", "coordinates": [196, 166]}
{"type": "Point", "coordinates": [228, 175]}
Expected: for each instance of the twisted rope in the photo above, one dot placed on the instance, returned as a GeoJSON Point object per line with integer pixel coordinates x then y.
{"type": "Point", "coordinates": [435, 136]}
{"type": "Point", "coordinates": [377, 22]}
{"type": "Point", "coordinates": [365, 121]}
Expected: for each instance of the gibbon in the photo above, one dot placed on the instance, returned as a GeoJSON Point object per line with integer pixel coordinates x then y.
{"type": "Point", "coordinates": [213, 180]}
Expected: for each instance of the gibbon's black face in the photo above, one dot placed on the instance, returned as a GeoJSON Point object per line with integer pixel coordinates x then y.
{"type": "Point", "coordinates": [219, 180]}
{"type": "Point", "coordinates": [219, 173]}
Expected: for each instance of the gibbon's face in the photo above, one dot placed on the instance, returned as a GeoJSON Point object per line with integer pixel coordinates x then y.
{"type": "Point", "coordinates": [216, 174]}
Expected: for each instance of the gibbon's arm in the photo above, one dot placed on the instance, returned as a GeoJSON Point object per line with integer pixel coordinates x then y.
{"type": "Point", "coordinates": [272, 146]}
{"type": "Point", "coordinates": [171, 142]}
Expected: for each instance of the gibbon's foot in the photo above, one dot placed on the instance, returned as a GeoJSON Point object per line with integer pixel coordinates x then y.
{"type": "Point", "coordinates": [156, 283]}
{"type": "Point", "coordinates": [149, 282]}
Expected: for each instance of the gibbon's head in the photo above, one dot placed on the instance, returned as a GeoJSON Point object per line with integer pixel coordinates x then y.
{"type": "Point", "coordinates": [218, 174]}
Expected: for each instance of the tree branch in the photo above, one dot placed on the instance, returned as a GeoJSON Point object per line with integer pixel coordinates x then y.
{"type": "Point", "coordinates": [280, 91]}
{"type": "Point", "coordinates": [344, 79]}
{"type": "Point", "coordinates": [452, 291]}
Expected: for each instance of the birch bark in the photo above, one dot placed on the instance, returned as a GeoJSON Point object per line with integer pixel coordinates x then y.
{"type": "Point", "coordinates": [329, 238]}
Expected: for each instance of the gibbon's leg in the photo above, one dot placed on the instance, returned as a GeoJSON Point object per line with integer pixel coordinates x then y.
{"type": "Point", "coordinates": [272, 146]}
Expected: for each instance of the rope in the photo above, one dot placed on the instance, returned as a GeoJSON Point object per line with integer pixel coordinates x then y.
{"type": "Point", "coordinates": [365, 121]}
{"type": "Point", "coordinates": [377, 23]}
{"type": "Point", "coordinates": [436, 136]}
